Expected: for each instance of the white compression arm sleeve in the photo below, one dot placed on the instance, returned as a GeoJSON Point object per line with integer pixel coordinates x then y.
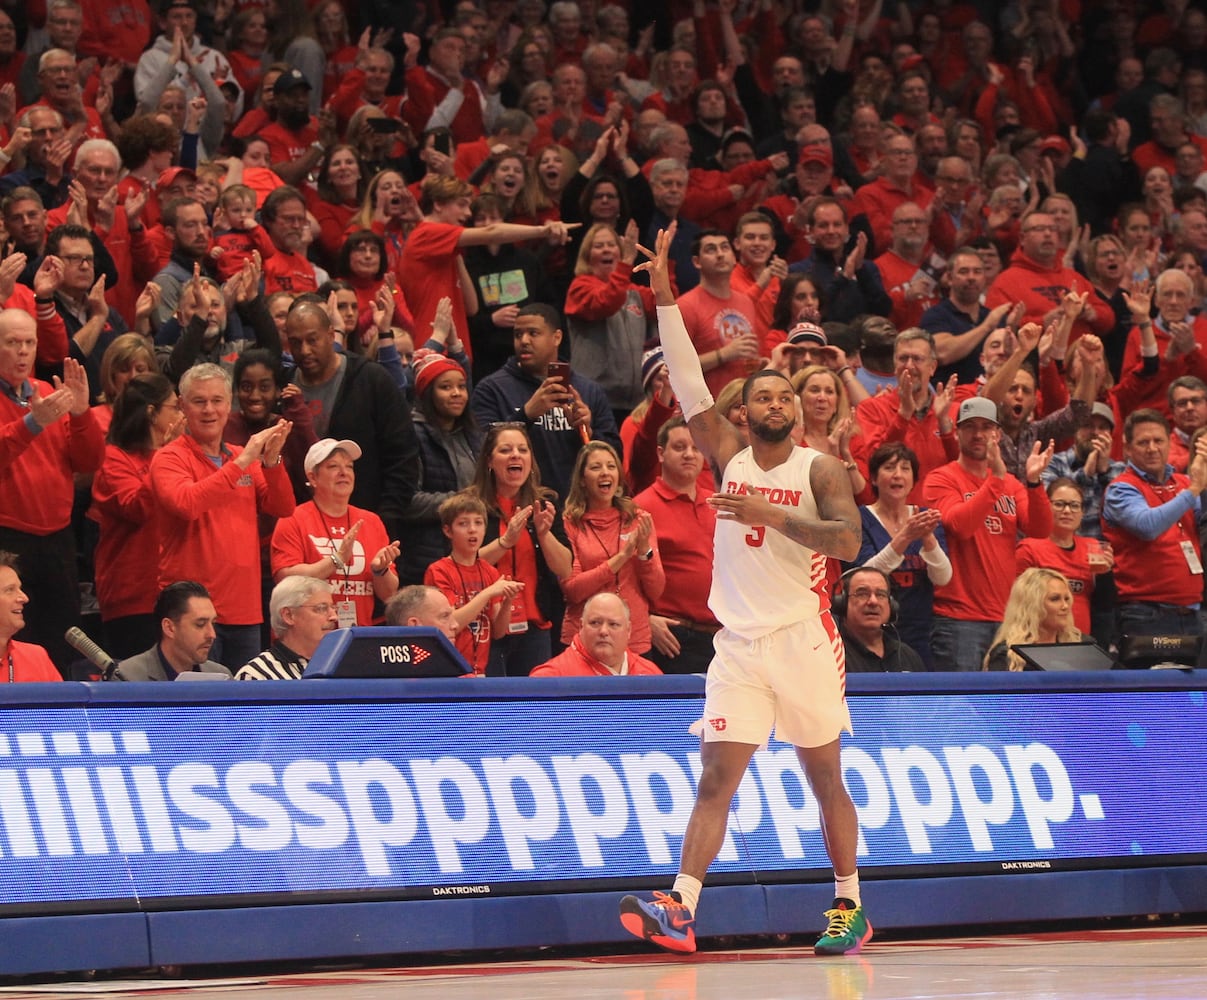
{"type": "Point", "coordinates": [687, 377]}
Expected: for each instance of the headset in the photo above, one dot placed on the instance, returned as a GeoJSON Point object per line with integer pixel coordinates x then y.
{"type": "Point", "coordinates": [838, 603]}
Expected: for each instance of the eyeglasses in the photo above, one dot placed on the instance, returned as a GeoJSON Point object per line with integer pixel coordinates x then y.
{"type": "Point", "coordinates": [909, 222]}
{"type": "Point", "coordinates": [322, 609]}
{"type": "Point", "coordinates": [863, 593]}
{"type": "Point", "coordinates": [1040, 229]}
{"type": "Point", "coordinates": [78, 259]}
{"type": "Point", "coordinates": [1073, 505]}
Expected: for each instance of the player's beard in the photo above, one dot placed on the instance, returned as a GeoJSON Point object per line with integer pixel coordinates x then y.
{"type": "Point", "coordinates": [771, 435]}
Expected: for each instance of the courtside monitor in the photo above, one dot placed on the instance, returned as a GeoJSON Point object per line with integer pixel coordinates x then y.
{"type": "Point", "coordinates": [1142, 652]}
{"type": "Point", "coordinates": [1064, 656]}
{"type": "Point", "coordinates": [389, 651]}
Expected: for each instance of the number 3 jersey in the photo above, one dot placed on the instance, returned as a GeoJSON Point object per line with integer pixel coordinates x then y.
{"type": "Point", "coordinates": [762, 580]}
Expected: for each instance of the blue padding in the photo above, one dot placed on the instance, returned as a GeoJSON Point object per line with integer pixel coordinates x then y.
{"type": "Point", "coordinates": [69, 693]}
{"type": "Point", "coordinates": [998, 899]}
{"type": "Point", "coordinates": [120, 796]}
{"type": "Point", "coordinates": [331, 930]}
{"type": "Point", "coordinates": [73, 943]}
{"type": "Point", "coordinates": [374, 689]}
{"type": "Point", "coordinates": [1007, 682]}
{"type": "Point", "coordinates": [511, 688]}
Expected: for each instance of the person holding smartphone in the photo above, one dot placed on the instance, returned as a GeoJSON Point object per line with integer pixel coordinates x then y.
{"type": "Point", "coordinates": [560, 409]}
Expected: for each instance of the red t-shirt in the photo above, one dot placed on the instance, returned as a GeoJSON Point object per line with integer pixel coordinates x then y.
{"type": "Point", "coordinates": [712, 323]}
{"type": "Point", "coordinates": [237, 247]}
{"type": "Point", "coordinates": [428, 270]}
{"type": "Point", "coordinates": [284, 144]}
{"type": "Point", "coordinates": [310, 534]}
{"type": "Point", "coordinates": [1074, 563]}
{"type": "Point", "coordinates": [897, 275]}
{"type": "Point", "coordinates": [116, 29]}
{"type": "Point", "coordinates": [461, 584]}
{"type": "Point", "coordinates": [982, 519]}
{"type": "Point", "coordinates": [289, 272]}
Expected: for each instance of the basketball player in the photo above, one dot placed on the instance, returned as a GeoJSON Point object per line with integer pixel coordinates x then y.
{"type": "Point", "coordinates": [781, 510]}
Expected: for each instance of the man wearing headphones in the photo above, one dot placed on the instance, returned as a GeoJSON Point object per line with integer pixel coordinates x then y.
{"type": "Point", "coordinates": [866, 612]}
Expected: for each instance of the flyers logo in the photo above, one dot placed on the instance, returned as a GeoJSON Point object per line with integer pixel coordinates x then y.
{"type": "Point", "coordinates": [717, 724]}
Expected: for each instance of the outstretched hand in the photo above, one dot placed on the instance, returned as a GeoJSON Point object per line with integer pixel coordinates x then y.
{"type": "Point", "coordinates": [658, 264]}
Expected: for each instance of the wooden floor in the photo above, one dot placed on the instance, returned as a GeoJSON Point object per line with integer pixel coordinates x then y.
{"type": "Point", "coordinates": [1152, 963]}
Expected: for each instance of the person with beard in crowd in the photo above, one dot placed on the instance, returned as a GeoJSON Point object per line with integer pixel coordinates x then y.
{"type": "Point", "coordinates": [203, 330]}
{"type": "Point", "coordinates": [187, 620]}
{"type": "Point", "coordinates": [984, 508]}
{"type": "Point", "coordinates": [1038, 278]}
{"type": "Point", "coordinates": [1013, 388]}
{"type": "Point", "coordinates": [285, 220]}
{"type": "Point", "coordinates": [355, 399]}
{"type": "Point", "coordinates": [185, 222]}
{"type": "Point", "coordinates": [560, 413]}
{"type": "Point", "coordinates": [960, 323]}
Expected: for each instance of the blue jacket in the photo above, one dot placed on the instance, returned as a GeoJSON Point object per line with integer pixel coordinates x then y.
{"type": "Point", "coordinates": [555, 442]}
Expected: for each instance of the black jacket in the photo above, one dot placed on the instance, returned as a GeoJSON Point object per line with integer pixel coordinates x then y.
{"type": "Point", "coordinates": [501, 397]}
{"type": "Point", "coordinates": [369, 410]}
{"type": "Point", "coordinates": [447, 462]}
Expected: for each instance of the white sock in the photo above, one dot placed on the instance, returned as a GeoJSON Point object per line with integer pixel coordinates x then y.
{"type": "Point", "coordinates": [689, 891]}
{"type": "Point", "coordinates": [847, 887]}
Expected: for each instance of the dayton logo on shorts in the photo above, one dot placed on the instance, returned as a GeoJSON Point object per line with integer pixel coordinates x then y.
{"type": "Point", "coordinates": [717, 724]}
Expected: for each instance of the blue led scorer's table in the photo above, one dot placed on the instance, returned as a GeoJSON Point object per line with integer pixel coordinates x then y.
{"type": "Point", "coordinates": [164, 824]}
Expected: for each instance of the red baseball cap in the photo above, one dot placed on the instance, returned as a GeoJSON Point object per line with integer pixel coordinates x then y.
{"type": "Point", "coordinates": [170, 175]}
{"type": "Point", "coordinates": [816, 154]}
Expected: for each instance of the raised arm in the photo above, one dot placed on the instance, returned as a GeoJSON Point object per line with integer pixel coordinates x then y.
{"type": "Point", "coordinates": [715, 436]}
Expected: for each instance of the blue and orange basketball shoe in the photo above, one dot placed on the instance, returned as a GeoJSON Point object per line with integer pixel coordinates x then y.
{"type": "Point", "coordinates": [663, 921]}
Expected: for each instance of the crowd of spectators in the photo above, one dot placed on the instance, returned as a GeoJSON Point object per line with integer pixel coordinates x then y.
{"type": "Point", "coordinates": [346, 292]}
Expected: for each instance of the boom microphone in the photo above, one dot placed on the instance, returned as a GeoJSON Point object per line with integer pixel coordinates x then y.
{"type": "Point", "coordinates": [79, 641]}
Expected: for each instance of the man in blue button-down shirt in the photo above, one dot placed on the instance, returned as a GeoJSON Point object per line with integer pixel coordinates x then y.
{"type": "Point", "coordinates": [1150, 518]}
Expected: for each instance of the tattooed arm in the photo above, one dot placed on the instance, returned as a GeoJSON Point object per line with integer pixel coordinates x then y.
{"type": "Point", "coordinates": [837, 532]}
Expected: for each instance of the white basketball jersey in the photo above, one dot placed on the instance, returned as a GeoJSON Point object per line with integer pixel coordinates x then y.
{"type": "Point", "coordinates": [762, 580]}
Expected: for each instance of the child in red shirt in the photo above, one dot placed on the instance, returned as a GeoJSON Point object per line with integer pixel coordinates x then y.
{"type": "Point", "coordinates": [480, 597]}
{"type": "Point", "coordinates": [236, 233]}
